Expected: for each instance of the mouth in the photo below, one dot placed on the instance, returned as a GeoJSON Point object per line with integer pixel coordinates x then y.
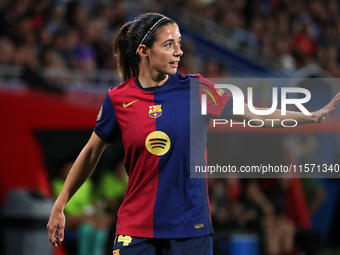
{"type": "Point", "coordinates": [174, 63]}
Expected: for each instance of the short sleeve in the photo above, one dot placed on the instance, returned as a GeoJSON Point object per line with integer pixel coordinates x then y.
{"type": "Point", "coordinates": [107, 127]}
{"type": "Point", "coordinates": [219, 102]}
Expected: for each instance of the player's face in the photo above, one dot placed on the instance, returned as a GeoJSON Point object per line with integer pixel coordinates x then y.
{"type": "Point", "coordinates": [165, 54]}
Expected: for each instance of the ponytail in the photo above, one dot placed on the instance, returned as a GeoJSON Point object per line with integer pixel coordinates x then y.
{"type": "Point", "coordinates": [127, 64]}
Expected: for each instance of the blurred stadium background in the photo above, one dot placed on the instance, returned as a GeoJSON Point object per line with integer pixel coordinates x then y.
{"type": "Point", "coordinates": [56, 65]}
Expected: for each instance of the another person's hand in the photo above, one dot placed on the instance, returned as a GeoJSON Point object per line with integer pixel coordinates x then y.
{"type": "Point", "coordinates": [55, 227]}
{"type": "Point", "coordinates": [321, 114]}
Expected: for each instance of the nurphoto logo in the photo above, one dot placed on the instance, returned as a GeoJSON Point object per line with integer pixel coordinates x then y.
{"type": "Point", "coordinates": [238, 105]}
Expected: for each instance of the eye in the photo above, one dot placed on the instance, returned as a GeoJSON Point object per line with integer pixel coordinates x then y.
{"type": "Point", "coordinates": [168, 45]}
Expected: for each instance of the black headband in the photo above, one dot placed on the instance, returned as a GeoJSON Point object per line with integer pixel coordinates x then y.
{"type": "Point", "coordinates": [146, 35]}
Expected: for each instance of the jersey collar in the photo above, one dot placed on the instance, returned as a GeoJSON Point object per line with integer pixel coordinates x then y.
{"type": "Point", "coordinates": [168, 81]}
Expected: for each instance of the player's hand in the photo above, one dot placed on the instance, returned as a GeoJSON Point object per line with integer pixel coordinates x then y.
{"type": "Point", "coordinates": [55, 227]}
{"type": "Point", "coordinates": [321, 114]}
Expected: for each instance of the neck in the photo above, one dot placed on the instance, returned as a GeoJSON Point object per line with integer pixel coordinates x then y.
{"type": "Point", "coordinates": [152, 79]}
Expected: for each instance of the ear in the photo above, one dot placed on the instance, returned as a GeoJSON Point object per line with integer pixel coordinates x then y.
{"type": "Point", "coordinates": [143, 51]}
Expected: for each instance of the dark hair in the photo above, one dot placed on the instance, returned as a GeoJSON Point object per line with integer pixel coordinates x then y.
{"type": "Point", "coordinates": [130, 36]}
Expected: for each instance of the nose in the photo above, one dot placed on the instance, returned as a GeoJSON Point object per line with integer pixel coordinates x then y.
{"type": "Point", "coordinates": [178, 51]}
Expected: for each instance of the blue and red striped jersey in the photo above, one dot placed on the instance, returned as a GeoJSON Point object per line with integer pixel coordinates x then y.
{"type": "Point", "coordinates": [161, 200]}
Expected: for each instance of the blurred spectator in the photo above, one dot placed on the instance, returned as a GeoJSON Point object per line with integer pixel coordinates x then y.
{"type": "Point", "coordinates": [7, 50]}
{"type": "Point", "coordinates": [289, 202]}
{"type": "Point", "coordinates": [97, 33]}
{"type": "Point", "coordinates": [306, 153]}
{"type": "Point", "coordinates": [284, 51]}
{"type": "Point", "coordinates": [38, 14]}
{"type": "Point", "coordinates": [51, 58]}
{"type": "Point", "coordinates": [55, 20]}
{"type": "Point", "coordinates": [213, 69]}
{"type": "Point", "coordinates": [257, 213]}
{"type": "Point", "coordinates": [65, 43]}
{"type": "Point", "coordinates": [44, 39]}
{"type": "Point", "coordinates": [304, 43]}
{"type": "Point", "coordinates": [76, 15]}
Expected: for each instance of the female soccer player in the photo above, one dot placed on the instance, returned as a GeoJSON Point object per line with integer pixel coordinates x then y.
{"type": "Point", "coordinates": [164, 210]}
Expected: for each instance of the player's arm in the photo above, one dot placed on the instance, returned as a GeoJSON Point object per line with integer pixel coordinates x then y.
{"type": "Point", "coordinates": [80, 171]}
{"type": "Point", "coordinates": [315, 117]}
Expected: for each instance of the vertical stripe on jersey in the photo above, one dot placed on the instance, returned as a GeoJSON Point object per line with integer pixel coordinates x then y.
{"type": "Point", "coordinates": [141, 180]}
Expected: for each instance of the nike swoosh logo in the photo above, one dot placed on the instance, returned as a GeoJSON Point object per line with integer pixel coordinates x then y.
{"type": "Point", "coordinates": [126, 105]}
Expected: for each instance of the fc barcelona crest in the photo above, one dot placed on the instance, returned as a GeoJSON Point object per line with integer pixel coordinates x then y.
{"type": "Point", "coordinates": [155, 111]}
